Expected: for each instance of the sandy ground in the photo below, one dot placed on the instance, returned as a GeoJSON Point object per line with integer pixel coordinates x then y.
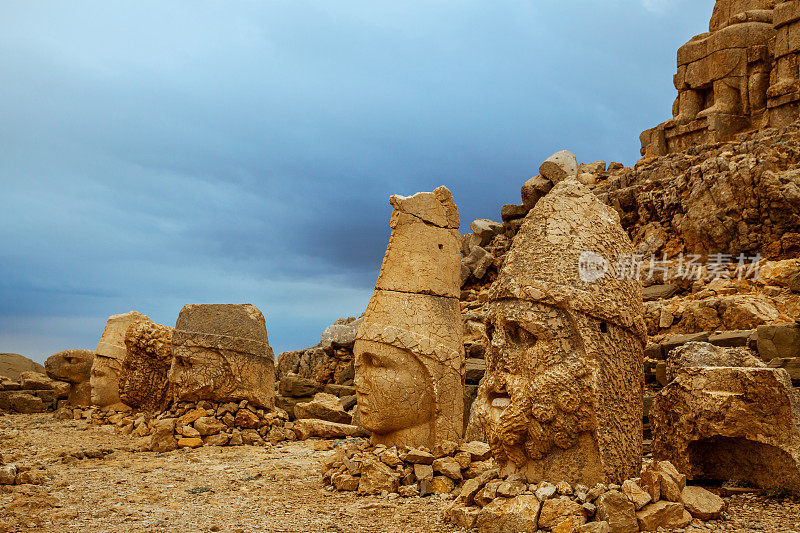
{"type": "Point", "coordinates": [230, 489]}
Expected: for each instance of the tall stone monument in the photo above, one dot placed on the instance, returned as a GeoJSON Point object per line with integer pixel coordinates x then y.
{"type": "Point", "coordinates": [143, 378]}
{"type": "Point", "coordinates": [563, 390]}
{"type": "Point", "coordinates": [409, 355]}
{"type": "Point", "coordinates": [108, 358]}
{"type": "Point", "coordinates": [221, 354]}
{"type": "Point", "coordinates": [722, 79]}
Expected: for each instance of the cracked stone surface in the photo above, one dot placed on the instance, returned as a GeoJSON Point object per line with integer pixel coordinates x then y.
{"type": "Point", "coordinates": [409, 355]}
{"type": "Point", "coordinates": [221, 353]}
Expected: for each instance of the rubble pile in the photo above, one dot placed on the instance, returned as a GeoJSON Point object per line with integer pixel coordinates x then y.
{"type": "Point", "coordinates": [658, 500]}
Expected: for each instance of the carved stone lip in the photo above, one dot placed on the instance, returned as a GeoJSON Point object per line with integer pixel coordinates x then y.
{"type": "Point", "coordinates": [500, 401]}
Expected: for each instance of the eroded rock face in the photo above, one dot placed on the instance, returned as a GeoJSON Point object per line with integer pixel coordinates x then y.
{"type": "Point", "coordinates": [143, 380]}
{"type": "Point", "coordinates": [730, 423]}
{"type": "Point", "coordinates": [74, 367]}
{"type": "Point", "coordinates": [562, 394]}
{"type": "Point", "coordinates": [704, 354]}
{"type": "Point", "coordinates": [108, 358]}
{"type": "Point", "coordinates": [409, 356]}
{"type": "Point", "coordinates": [221, 353]}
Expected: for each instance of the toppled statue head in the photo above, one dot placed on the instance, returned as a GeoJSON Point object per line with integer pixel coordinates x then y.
{"type": "Point", "coordinates": [74, 367]}
{"type": "Point", "coordinates": [143, 379]}
{"type": "Point", "coordinates": [409, 358]}
{"type": "Point", "coordinates": [108, 359]}
{"type": "Point", "coordinates": [221, 353]}
{"type": "Point", "coordinates": [562, 394]}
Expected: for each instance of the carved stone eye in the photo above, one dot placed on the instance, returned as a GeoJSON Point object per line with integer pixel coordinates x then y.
{"type": "Point", "coordinates": [517, 334]}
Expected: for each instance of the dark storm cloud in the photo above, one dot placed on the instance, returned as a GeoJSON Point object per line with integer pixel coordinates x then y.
{"type": "Point", "coordinates": [154, 154]}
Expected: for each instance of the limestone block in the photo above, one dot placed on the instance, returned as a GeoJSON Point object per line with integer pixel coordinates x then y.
{"type": "Point", "coordinates": [309, 427]}
{"type": "Point", "coordinates": [437, 207]}
{"type": "Point", "coordinates": [478, 261]}
{"type": "Point", "coordinates": [666, 515]}
{"type": "Point", "coordinates": [704, 354]}
{"type": "Point", "coordinates": [484, 229]}
{"type": "Point", "coordinates": [323, 407]}
{"type": "Point", "coordinates": [74, 367]}
{"type": "Point", "coordinates": [559, 166]}
{"type": "Point", "coordinates": [730, 423]}
{"type": "Point", "coordinates": [421, 258]}
{"type": "Point", "coordinates": [778, 341]}
{"type": "Point", "coordinates": [534, 189]}
{"type": "Point", "coordinates": [221, 354]}
{"type": "Point", "coordinates": [35, 381]}
{"type": "Point", "coordinates": [562, 396]}
{"type": "Point", "coordinates": [613, 507]}
{"type": "Point", "coordinates": [701, 503]}
{"type": "Point", "coordinates": [509, 515]}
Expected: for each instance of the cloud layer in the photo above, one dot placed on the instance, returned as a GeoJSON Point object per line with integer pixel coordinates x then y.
{"type": "Point", "coordinates": [155, 154]}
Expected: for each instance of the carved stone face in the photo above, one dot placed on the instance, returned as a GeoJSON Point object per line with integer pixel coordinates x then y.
{"type": "Point", "coordinates": [534, 395]}
{"type": "Point", "coordinates": [72, 366]}
{"type": "Point", "coordinates": [390, 380]}
{"type": "Point", "coordinates": [105, 381]}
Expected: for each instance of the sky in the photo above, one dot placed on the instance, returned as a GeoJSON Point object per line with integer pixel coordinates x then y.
{"type": "Point", "coordinates": [154, 154]}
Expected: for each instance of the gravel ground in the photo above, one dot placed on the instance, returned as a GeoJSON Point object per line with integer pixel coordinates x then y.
{"type": "Point", "coordinates": [229, 489]}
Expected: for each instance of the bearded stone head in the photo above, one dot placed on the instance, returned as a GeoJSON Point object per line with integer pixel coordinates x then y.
{"type": "Point", "coordinates": [561, 398]}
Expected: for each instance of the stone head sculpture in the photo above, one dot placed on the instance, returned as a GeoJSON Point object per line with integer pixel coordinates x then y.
{"type": "Point", "coordinates": [143, 378]}
{"type": "Point", "coordinates": [221, 353]}
{"type": "Point", "coordinates": [562, 394]}
{"type": "Point", "coordinates": [74, 367]}
{"type": "Point", "coordinates": [108, 359]}
{"type": "Point", "coordinates": [409, 356]}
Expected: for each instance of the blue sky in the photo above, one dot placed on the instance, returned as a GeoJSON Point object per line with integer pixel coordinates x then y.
{"type": "Point", "coordinates": [154, 154]}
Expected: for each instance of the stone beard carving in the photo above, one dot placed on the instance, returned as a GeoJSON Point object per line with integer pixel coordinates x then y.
{"type": "Point", "coordinates": [409, 356]}
{"type": "Point", "coordinates": [562, 395]}
{"type": "Point", "coordinates": [143, 379]}
{"type": "Point", "coordinates": [221, 353]}
{"type": "Point", "coordinates": [108, 358]}
{"type": "Point", "coordinates": [74, 367]}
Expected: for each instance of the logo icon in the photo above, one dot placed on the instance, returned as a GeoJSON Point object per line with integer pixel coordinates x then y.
{"type": "Point", "coordinates": [591, 266]}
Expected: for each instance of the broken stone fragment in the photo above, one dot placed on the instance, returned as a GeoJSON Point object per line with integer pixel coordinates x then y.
{"type": "Point", "coordinates": [729, 423]}
{"type": "Point", "coordinates": [559, 166]}
{"type": "Point", "coordinates": [704, 354]}
{"type": "Point", "coordinates": [662, 515]}
{"type": "Point", "coordinates": [484, 229]}
{"type": "Point", "coordinates": [613, 507]}
{"type": "Point", "coordinates": [323, 407]}
{"type": "Point", "coordinates": [701, 503]}
{"type": "Point", "coordinates": [478, 261]}
{"type": "Point", "coordinates": [509, 514]}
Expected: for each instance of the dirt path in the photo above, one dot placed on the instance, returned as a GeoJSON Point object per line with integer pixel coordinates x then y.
{"type": "Point", "coordinates": [242, 488]}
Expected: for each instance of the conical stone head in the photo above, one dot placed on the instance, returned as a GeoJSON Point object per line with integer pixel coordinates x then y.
{"type": "Point", "coordinates": [409, 355]}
